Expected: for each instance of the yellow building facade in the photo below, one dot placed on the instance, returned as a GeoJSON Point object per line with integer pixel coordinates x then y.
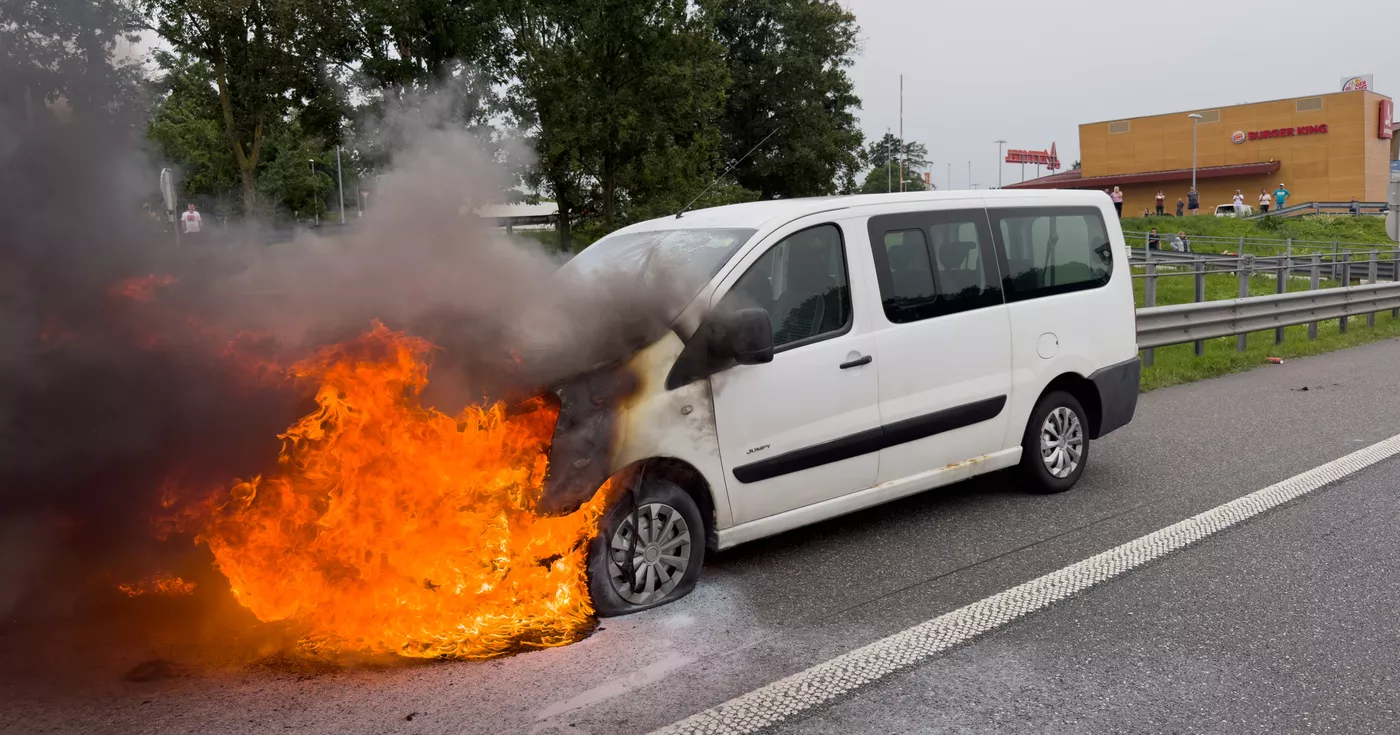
{"type": "Point", "coordinates": [1325, 148]}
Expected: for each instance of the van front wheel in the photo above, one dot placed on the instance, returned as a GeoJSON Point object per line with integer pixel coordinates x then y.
{"type": "Point", "coordinates": [1056, 445]}
{"type": "Point", "coordinates": [648, 551]}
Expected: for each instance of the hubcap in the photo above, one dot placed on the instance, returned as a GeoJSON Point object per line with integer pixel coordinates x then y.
{"type": "Point", "coordinates": [646, 560]}
{"type": "Point", "coordinates": [1061, 442]}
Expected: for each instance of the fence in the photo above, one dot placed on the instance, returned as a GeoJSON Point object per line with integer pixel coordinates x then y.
{"type": "Point", "coordinates": [1200, 320]}
{"type": "Point", "coordinates": [1295, 210]}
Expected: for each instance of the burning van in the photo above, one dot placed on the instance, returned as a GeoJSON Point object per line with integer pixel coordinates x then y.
{"type": "Point", "coordinates": [826, 355]}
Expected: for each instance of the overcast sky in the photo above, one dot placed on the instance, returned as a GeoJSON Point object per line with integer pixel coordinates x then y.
{"type": "Point", "coordinates": [1030, 71]}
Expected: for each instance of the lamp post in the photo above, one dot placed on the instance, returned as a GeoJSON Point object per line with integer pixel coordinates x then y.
{"type": "Point", "coordinates": [889, 170]}
{"type": "Point", "coordinates": [1000, 143]}
{"type": "Point", "coordinates": [1195, 122]}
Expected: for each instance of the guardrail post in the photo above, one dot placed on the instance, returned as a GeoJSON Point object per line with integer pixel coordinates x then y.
{"type": "Point", "coordinates": [1246, 266]}
{"type": "Point", "coordinates": [1346, 282]}
{"type": "Point", "coordinates": [1314, 281]}
{"type": "Point", "coordinates": [1149, 300]}
{"type": "Point", "coordinates": [1375, 275]}
{"type": "Point", "coordinates": [1200, 345]}
{"type": "Point", "coordinates": [1289, 250]}
{"type": "Point", "coordinates": [1281, 268]}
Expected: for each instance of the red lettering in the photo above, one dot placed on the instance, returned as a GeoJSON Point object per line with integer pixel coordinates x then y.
{"type": "Point", "coordinates": [1322, 128]}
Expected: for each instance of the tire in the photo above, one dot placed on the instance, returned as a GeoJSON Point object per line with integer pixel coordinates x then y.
{"type": "Point", "coordinates": [665, 568]}
{"type": "Point", "coordinates": [1040, 440]}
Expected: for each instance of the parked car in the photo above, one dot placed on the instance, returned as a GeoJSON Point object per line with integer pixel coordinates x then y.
{"type": "Point", "coordinates": [832, 354]}
{"type": "Point", "coordinates": [1228, 210]}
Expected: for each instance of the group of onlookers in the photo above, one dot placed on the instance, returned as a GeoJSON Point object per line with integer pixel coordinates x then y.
{"type": "Point", "coordinates": [1192, 201]}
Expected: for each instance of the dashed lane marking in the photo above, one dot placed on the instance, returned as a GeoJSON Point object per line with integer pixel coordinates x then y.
{"type": "Point", "coordinates": [824, 682]}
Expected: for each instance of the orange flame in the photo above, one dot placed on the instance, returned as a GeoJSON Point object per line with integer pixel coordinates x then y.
{"type": "Point", "coordinates": [142, 289]}
{"type": "Point", "coordinates": [158, 585]}
{"type": "Point", "coordinates": [396, 528]}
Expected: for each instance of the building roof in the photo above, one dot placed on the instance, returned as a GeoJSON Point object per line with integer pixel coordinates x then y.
{"type": "Point", "coordinates": [1075, 179]}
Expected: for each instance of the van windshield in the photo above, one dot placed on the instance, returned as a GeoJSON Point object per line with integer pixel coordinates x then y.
{"type": "Point", "coordinates": [676, 262]}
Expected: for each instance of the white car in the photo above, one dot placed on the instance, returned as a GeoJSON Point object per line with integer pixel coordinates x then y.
{"type": "Point", "coordinates": [1228, 210]}
{"type": "Point", "coordinates": [832, 354]}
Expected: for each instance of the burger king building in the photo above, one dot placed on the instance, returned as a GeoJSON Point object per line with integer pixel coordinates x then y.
{"type": "Point", "coordinates": [1326, 148]}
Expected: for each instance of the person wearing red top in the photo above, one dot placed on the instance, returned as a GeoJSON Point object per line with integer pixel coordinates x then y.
{"type": "Point", "coordinates": [1161, 203]}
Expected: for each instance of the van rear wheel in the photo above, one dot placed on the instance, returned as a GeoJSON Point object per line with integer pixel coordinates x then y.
{"type": "Point", "coordinates": [648, 551]}
{"type": "Point", "coordinates": [1055, 449]}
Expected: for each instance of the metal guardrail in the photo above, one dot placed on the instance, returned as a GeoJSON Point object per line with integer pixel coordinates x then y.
{"type": "Point", "coordinates": [1169, 325]}
{"type": "Point", "coordinates": [1294, 210]}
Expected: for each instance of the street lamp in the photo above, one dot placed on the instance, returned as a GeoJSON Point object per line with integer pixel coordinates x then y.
{"type": "Point", "coordinates": [889, 171]}
{"type": "Point", "coordinates": [1000, 143]}
{"type": "Point", "coordinates": [1195, 122]}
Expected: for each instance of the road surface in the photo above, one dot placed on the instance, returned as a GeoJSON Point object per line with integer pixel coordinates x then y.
{"type": "Point", "coordinates": [1281, 623]}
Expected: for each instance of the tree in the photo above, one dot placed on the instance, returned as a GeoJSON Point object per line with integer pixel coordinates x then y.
{"type": "Point", "coordinates": [617, 94]}
{"type": "Point", "coordinates": [878, 181]}
{"type": "Point", "coordinates": [887, 148]}
{"type": "Point", "coordinates": [64, 56]}
{"type": "Point", "coordinates": [1074, 167]}
{"type": "Point", "coordinates": [787, 61]}
{"type": "Point", "coordinates": [266, 58]}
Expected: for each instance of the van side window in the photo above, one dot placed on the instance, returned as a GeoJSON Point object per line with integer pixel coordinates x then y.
{"type": "Point", "coordinates": [802, 283]}
{"type": "Point", "coordinates": [931, 264]}
{"type": "Point", "coordinates": [1052, 250]}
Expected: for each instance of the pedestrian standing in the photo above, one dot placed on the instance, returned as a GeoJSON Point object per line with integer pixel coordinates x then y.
{"type": "Point", "coordinates": [1263, 201]}
{"type": "Point", "coordinates": [1161, 202]}
{"type": "Point", "coordinates": [1180, 206]}
{"type": "Point", "coordinates": [1239, 203]}
{"type": "Point", "coordinates": [1117, 196]}
{"type": "Point", "coordinates": [1355, 207]}
{"type": "Point", "coordinates": [1181, 243]}
{"type": "Point", "coordinates": [1281, 195]}
{"type": "Point", "coordinates": [193, 223]}
{"type": "Point", "coordinates": [1193, 201]}
{"type": "Point", "coordinates": [1154, 240]}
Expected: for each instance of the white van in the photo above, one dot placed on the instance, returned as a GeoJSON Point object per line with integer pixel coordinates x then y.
{"type": "Point", "coordinates": [831, 354]}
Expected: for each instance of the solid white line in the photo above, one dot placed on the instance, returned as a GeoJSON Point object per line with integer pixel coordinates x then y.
{"type": "Point", "coordinates": [824, 682]}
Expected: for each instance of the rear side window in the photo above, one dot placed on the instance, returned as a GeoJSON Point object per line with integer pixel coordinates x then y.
{"type": "Point", "coordinates": [932, 264]}
{"type": "Point", "coordinates": [1052, 250]}
{"type": "Point", "coordinates": [802, 284]}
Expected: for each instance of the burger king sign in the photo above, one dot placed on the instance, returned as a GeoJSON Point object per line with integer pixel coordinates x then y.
{"type": "Point", "coordinates": [1238, 137]}
{"type": "Point", "coordinates": [1357, 84]}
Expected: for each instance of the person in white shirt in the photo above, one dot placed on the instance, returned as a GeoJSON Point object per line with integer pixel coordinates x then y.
{"type": "Point", "coordinates": [192, 221]}
{"type": "Point", "coordinates": [1239, 204]}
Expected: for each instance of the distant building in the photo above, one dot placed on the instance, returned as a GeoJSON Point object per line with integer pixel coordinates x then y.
{"type": "Point", "coordinates": [1329, 147]}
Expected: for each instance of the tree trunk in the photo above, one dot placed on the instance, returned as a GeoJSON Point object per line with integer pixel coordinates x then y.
{"type": "Point", "coordinates": [566, 236]}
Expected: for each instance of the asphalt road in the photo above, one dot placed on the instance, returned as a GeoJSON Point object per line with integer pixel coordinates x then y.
{"type": "Point", "coordinates": [1280, 624]}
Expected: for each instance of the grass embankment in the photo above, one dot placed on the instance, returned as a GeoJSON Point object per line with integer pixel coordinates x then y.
{"type": "Point", "coordinates": [1321, 228]}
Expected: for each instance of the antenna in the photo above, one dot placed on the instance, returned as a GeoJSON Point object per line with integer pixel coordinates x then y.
{"type": "Point", "coordinates": [742, 158]}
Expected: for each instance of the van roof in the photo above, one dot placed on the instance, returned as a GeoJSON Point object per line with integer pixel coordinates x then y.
{"type": "Point", "coordinates": [755, 215]}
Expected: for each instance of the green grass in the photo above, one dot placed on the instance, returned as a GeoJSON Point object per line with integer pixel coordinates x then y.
{"type": "Point", "coordinates": [1325, 228]}
{"type": "Point", "coordinates": [1181, 289]}
{"type": "Point", "coordinates": [1178, 364]}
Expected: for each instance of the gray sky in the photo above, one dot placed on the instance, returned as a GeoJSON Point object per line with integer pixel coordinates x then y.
{"type": "Point", "coordinates": [1030, 71]}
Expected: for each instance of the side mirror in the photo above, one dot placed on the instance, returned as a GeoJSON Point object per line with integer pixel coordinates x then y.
{"type": "Point", "coordinates": [744, 336]}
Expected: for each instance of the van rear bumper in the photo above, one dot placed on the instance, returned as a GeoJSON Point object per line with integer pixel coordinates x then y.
{"type": "Point", "coordinates": [1118, 394]}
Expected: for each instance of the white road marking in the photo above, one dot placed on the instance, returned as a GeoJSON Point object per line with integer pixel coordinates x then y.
{"type": "Point", "coordinates": [824, 682]}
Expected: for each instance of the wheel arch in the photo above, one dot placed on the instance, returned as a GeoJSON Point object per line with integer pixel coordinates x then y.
{"type": "Point", "coordinates": [1086, 392]}
{"type": "Point", "coordinates": [689, 479]}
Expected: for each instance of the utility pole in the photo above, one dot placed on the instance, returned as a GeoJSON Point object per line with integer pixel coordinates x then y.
{"type": "Point", "coordinates": [340, 184]}
{"type": "Point", "coordinates": [1000, 143]}
{"type": "Point", "coordinates": [1195, 122]}
{"type": "Point", "coordinates": [950, 177]}
{"type": "Point", "coordinates": [901, 132]}
{"type": "Point", "coordinates": [969, 174]}
{"type": "Point", "coordinates": [889, 170]}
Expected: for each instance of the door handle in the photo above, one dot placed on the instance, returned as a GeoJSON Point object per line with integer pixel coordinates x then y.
{"type": "Point", "coordinates": [857, 363]}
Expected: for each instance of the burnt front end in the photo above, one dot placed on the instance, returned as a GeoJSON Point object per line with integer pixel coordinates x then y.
{"type": "Point", "coordinates": [585, 437]}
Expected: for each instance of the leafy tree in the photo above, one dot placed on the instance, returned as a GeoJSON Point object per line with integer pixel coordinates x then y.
{"type": "Point", "coordinates": [787, 61]}
{"type": "Point", "coordinates": [64, 56]}
{"type": "Point", "coordinates": [887, 148]}
{"type": "Point", "coordinates": [409, 47]}
{"type": "Point", "coordinates": [618, 94]}
{"type": "Point", "coordinates": [878, 180]}
{"type": "Point", "coordinates": [1075, 167]}
{"type": "Point", "coordinates": [266, 57]}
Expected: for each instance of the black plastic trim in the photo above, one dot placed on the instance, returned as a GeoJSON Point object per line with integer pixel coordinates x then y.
{"type": "Point", "coordinates": [871, 440]}
{"type": "Point", "coordinates": [1119, 386]}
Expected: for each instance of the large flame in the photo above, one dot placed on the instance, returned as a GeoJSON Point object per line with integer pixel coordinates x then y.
{"type": "Point", "coordinates": [390, 527]}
